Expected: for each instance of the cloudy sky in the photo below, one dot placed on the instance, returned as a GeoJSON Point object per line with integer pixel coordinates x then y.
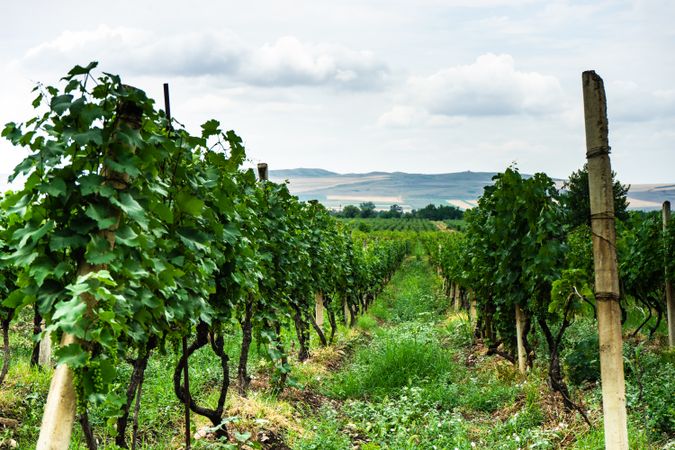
{"type": "Point", "coordinates": [424, 86]}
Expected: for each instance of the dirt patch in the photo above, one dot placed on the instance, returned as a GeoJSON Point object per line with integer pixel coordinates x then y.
{"type": "Point", "coordinates": [309, 398]}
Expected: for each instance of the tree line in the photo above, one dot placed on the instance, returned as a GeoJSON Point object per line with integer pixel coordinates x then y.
{"type": "Point", "coordinates": [367, 210]}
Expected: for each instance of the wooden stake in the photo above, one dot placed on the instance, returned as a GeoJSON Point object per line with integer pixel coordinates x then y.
{"type": "Point", "coordinates": [263, 173]}
{"type": "Point", "coordinates": [345, 307]}
{"type": "Point", "coordinates": [319, 309]}
{"type": "Point", "coordinates": [605, 261]}
{"type": "Point", "coordinates": [186, 382]}
{"type": "Point", "coordinates": [45, 356]}
{"type": "Point", "coordinates": [458, 297]}
{"type": "Point", "coordinates": [59, 412]}
{"type": "Point", "coordinates": [520, 325]}
{"type": "Point", "coordinates": [473, 313]}
{"type": "Point", "coordinates": [670, 302]}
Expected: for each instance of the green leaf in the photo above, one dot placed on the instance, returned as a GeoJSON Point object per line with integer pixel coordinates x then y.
{"type": "Point", "coordinates": [104, 216]}
{"type": "Point", "coordinates": [63, 239]}
{"type": "Point", "coordinates": [69, 315]}
{"type": "Point", "coordinates": [189, 203]}
{"type": "Point", "coordinates": [79, 70]}
{"type": "Point", "coordinates": [108, 371]}
{"type": "Point", "coordinates": [15, 299]}
{"type": "Point", "coordinates": [193, 238]}
{"type": "Point", "coordinates": [92, 135]}
{"type": "Point", "coordinates": [125, 163]}
{"type": "Point", "coordinates": [73, 355]}
{"type": "Point", "coordinates": [93, 184]}
{"type": "Point", "coordinates": [210, 128]}
{"type": "Point", "coordinates": [132, 208]}
{"type": "Point", "coordinates": [37, 101]}
{"type": "Point", "coordinates": [125, 235]}
{"type": "Point", "coordinates": [99, 251]}
{"type": "Point", "coordinates": [164, 212]}
{"type": "Point", "coordinates": [29, 231]}
{"type": "Point", "coordinates": [242, 437]}
{"type": "Point", "coordinates": [56, 187]}
{"type": "Point", "coordinates": [61, 103]}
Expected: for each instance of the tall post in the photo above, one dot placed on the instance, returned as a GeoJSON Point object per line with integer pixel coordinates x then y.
{"type": "Point", "coordinates": [520, 325]}
{"type": "Point", "coordinates": [45, 356]}
{"type": "Point", "coordinates": [473, 313]}
{"type": "Point", "coordinates": [59, 411]}
{"type": "Point", "coordinates": [345, 307]}
{"type": "Point", "coordinates": [319, 309]}
{"type": "Point", "coordinates": [458, 297]}
{"type": "Point", "coordinates": [263, 174]}
{"type": "Point", "coordinates": [604, 257]}
{"type": "Point", "coordinates": [670, 302]}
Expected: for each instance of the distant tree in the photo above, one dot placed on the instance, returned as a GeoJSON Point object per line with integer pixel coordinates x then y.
{"type": "Point", "coordinates": [351, 211]}
{"type": "Point", "coordinates": [449, 212]}
{"type": "Point", "coordinates": [440, 212]}
{"type": "Point", "coordinates": [394, 212]}
{"type": "Point", "coordinates": [576, 198]}
{"type": "Point", "coordinates": [367, 209]}
{"type": "Point", "coordinates": [428, 212]}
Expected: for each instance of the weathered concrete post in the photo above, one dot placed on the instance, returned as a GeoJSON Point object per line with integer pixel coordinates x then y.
{"type": "Point", "coordinates": [456, 296]}
{"type": "Point", "coordinates": [473, 313]}
{"type": "Point", "coordinates": [348, 317]}
{"type": "Point", "coordinates": [670, 302]}
{"type": "Point", "coordinates": [605, 261]}
{"type": "Point", "coordinates": [45, 356]}
{"type": "Point", "coordinates": [59, 412]}
{"type": "Point", "coordinates": [520, 325]}
{"type": "Point", "coordinates": [319, 309]}
{"type": "Point", "coordinates": [263, 173]}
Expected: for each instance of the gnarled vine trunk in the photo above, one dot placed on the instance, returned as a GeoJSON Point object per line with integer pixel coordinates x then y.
{"type": "Point", "coordinates": [243, 379]}
{"type": "Point", "coordinates": [140, 364]}
{"type": "Point", "coordinates": [217, 345]}
{"type": "Point", "coordinates": [302, 332]}
{"type": "Point", "coordinates": [5, 348]}
{"type": "Point", "coordinates": [37, 329]}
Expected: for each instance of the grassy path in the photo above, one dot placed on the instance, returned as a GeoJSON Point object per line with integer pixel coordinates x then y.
{"type": "Point", "coordinates": [417, 380]}
{"type": "Point", "coordinates": [409, 387]}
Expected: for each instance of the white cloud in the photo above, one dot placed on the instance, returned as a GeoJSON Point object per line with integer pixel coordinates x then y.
{"type": "Point", "coordinates": [630, 102]}
{"type": "Point", "coordinates": [285, 62]}
{"type": "Point", "coordinates": [491, 86]}
{"type": "Point", "coordinates": [288, 61]}
{"type": "Point", "coordinates": [402, 116]}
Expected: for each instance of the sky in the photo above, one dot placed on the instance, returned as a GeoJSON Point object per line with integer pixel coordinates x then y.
{"type": "Point", "coordinates": [424, 86]}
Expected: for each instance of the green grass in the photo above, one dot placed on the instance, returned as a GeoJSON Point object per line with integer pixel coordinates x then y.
{"type": "Point", "coordinates": [378, 224]}
{"type": "Point", "coordinates": [396, 358]}
{"type": "Point", "coordinates": [455, 224]}
{"type": "Point", "coordinates": [414, 294]}
{"type": "Point", "coordinates": [408, 387]}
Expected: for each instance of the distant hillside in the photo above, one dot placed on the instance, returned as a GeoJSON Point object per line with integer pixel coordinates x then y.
{"type": "Point", "coordinates": [413, 191]}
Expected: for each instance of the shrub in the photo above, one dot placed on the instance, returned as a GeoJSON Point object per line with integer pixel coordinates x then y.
{"type": "Point", "coordinates": [582, 363]}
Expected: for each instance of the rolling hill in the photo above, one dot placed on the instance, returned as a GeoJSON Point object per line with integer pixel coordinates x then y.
{"type": "Point", "coordinates": [412, 191]}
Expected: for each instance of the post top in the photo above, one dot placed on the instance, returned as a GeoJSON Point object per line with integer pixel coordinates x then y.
{"type": "Point", "coordinates": [262, 172]}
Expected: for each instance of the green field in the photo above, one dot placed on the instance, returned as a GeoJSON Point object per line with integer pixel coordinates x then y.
{"type": "Point", "coordinates": [417, 225]}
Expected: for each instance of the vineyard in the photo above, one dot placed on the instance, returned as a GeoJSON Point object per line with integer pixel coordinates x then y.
{"type": "Point", "coordinates": [190, 302]}
{"type": "Point", "coordinates": [414, 225]}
